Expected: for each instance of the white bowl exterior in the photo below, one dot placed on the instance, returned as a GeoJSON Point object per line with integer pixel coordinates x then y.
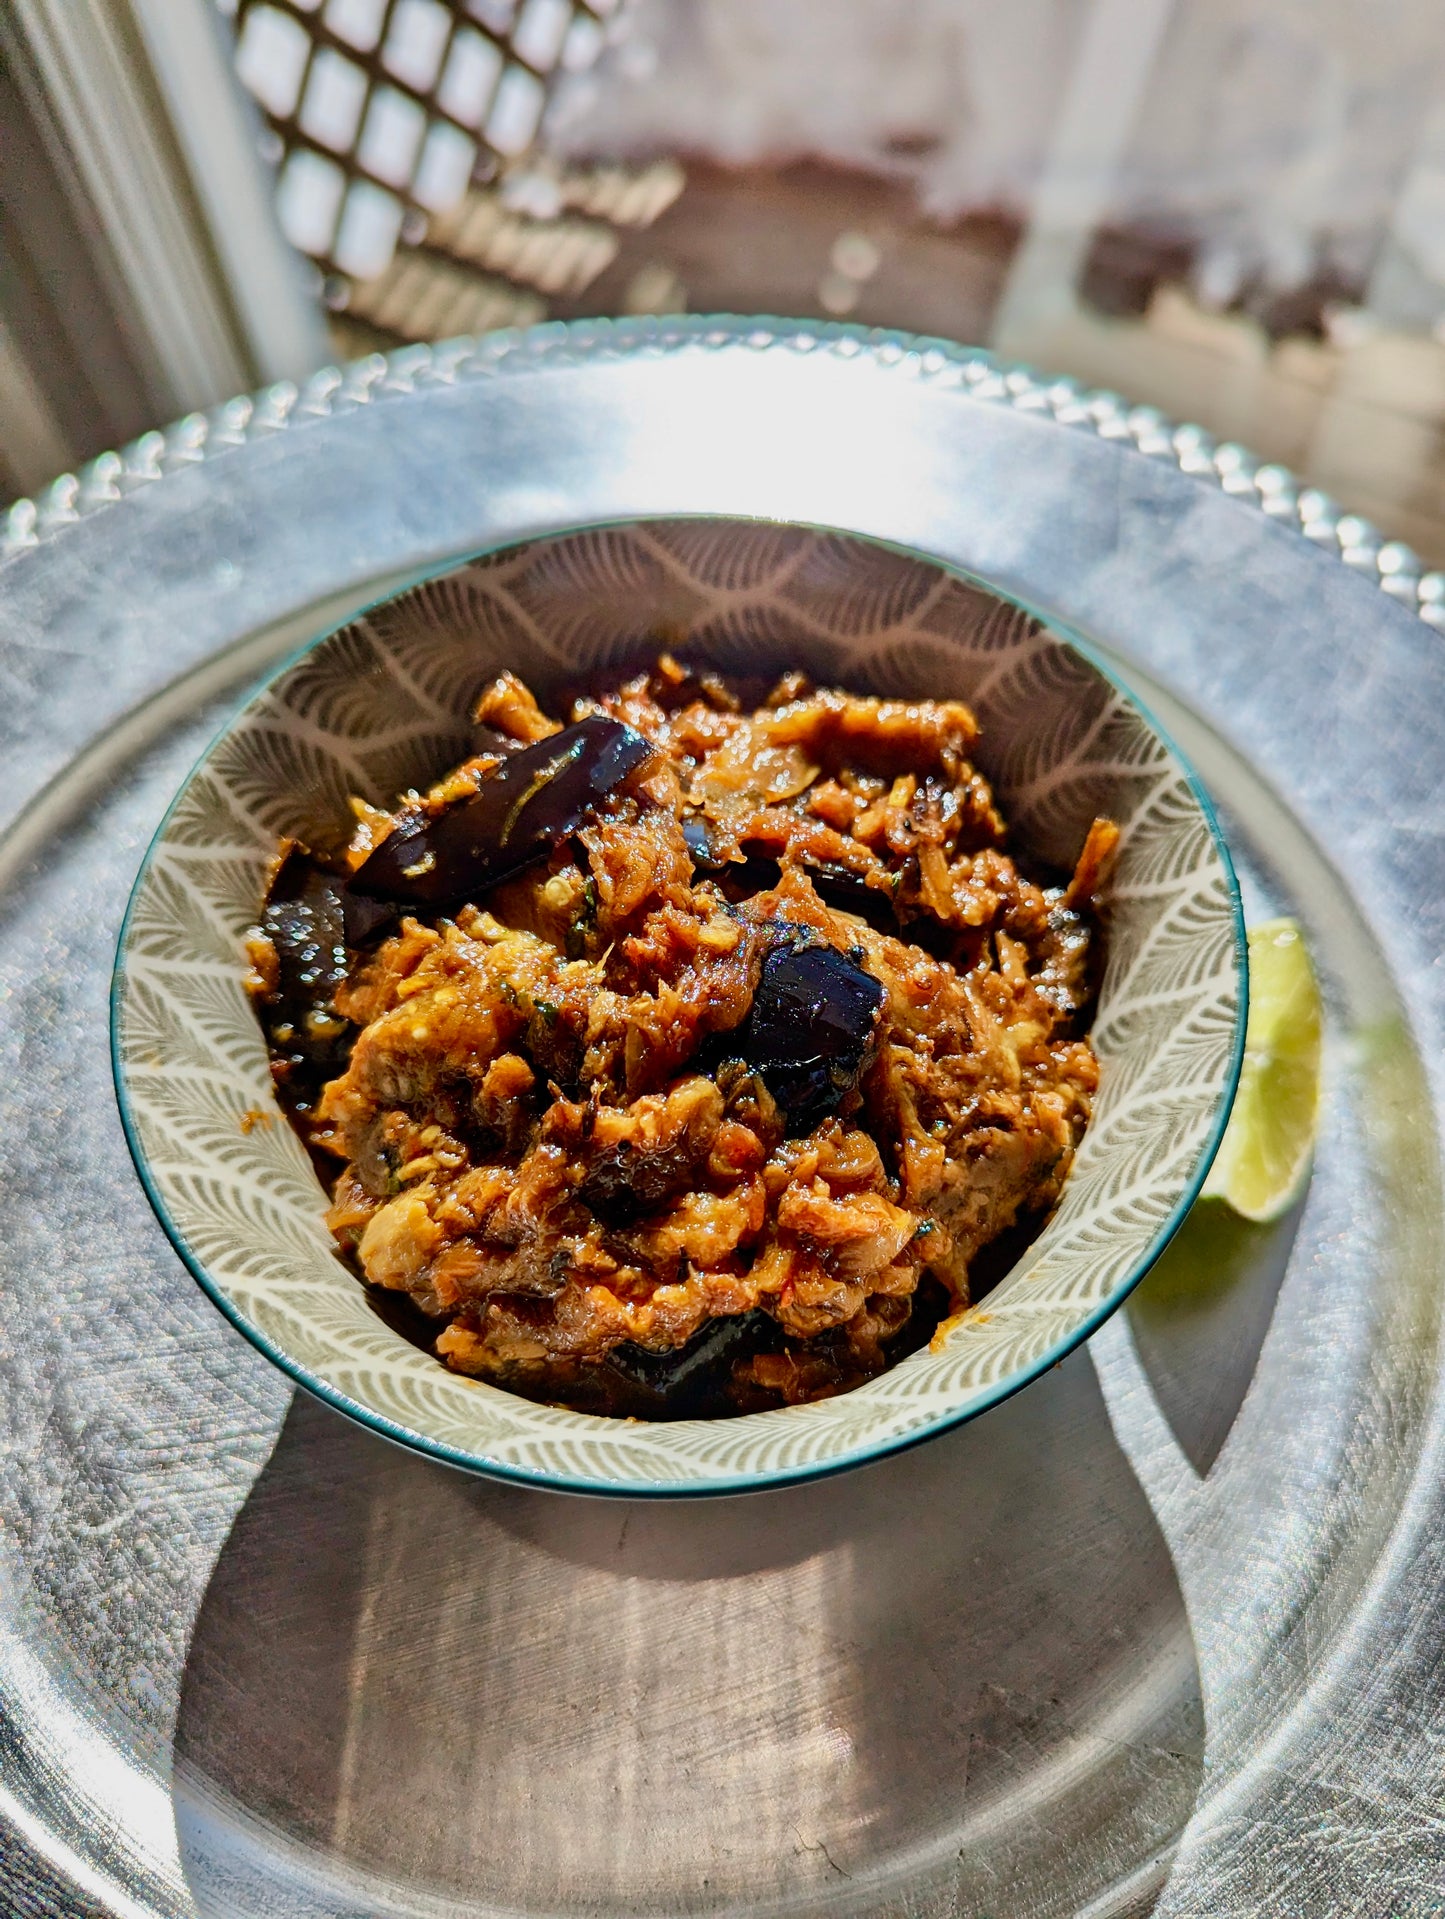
{"type": "Point", "coordinates": [381, 706]}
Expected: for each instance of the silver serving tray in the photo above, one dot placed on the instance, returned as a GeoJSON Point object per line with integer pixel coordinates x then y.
{"type": "Point", "coordinates": [1162, 1634]}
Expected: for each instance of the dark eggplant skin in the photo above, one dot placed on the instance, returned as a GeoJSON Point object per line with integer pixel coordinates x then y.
{"type": "Point", "coordinates": [695, 1380]}
{"type": "Point", "coordinates": [489, 739]}
{"type": "Point", "coordinates": [812, 1027]}
{"type": "Point", "coordinates": [699, 845]}
{"type": "Point", "coordinates": [363, 919]}
{"type": "Point", "coordinates": [622, 1184]}
{"type": "Point", "coordinates": [535, 797]}
{"type": "Point", "coordinates": [304, 920]}
{"type": "Point", "coordinates": [760, 872]}
{"type": "Point", "coordinates": [691, 1381]}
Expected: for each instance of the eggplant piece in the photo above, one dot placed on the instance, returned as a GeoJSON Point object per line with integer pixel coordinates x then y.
{"type": "Point", "coordinates": [699, 845]}
{"type": "Point", "coordinates": [363, 919]}
{"type": "Point", "coordinates": [304, 920]}
{"type": "Point", "coordinates": [740, 880]}
{"type": "Point", "coordinates": [836, 886]}
{"type": "Point", "coordinates": [625, 1182]}
{"type": "Point", "coordinates": [811, 1030]}
{"type": "Point", "coordinates": [491, 739]}
{"type": "Point", "coordinates": [535, 798]}
{"type": "Point", "coordinates": [690, 1381]}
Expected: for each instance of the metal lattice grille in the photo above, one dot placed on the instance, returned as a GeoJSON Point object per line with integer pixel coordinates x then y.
{"type": "Point", "coordinates": [399, 128]}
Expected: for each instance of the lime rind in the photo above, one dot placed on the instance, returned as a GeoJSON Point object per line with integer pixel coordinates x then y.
{"type": "Point", "coordinates": [1264, 1159]}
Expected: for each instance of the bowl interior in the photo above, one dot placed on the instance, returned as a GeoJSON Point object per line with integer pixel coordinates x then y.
{"type": "Point", "coordinates": [382, 704]}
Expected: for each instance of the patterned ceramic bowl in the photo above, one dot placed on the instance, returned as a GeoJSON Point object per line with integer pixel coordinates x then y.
{"type": "Point", "coordinates": [380, 706]}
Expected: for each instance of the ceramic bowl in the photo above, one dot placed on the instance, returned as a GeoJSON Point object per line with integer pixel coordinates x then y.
{"type": "Point", "coordinates": [380, 706]}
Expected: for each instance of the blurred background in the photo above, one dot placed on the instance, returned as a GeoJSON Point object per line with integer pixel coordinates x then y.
{"type": "Point", "coordinates": [1231, 209]}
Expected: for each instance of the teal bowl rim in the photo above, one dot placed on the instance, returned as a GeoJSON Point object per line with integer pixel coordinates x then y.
{"type": "Point", "coordinates": [737, 1484]}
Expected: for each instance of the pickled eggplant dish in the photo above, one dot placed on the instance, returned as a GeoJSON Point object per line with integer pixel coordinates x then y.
{"type": "Point", "coordinates": [695, 1054]}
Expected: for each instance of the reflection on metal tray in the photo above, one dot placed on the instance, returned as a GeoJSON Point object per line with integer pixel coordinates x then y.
{"type": "Point", "coordinates": [1157, 1635]}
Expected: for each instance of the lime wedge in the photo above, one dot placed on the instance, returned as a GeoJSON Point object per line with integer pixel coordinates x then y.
{"type": "Point", "coordinates": [1264, 1158]}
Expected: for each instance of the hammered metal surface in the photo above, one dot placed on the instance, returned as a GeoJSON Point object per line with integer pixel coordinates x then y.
{"type": "Point", "coordinates": [253, 1662]}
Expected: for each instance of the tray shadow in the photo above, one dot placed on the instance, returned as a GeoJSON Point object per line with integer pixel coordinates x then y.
{"type": "Point", "coordinates": [964, 1675]}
